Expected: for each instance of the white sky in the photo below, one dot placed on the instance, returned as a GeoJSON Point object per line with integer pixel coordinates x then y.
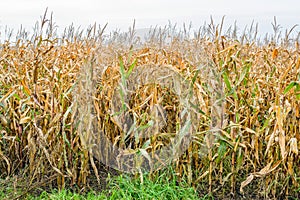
{"type": "Point", "coordinates": [121, 13]}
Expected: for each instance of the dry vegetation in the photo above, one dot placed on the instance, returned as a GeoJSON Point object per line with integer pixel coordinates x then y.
{"type": "Point", "coordinates": [56, 102]}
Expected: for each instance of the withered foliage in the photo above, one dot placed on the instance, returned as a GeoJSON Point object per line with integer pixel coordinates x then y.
{"type": "Point", "coordinates": [57, 97]}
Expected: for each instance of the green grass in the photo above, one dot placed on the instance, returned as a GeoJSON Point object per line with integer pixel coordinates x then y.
{"type": "Point", "coordinates": [158, 188]}
{"type": "Point", "coordinates": [125, 187]}
{"type": "Point", "coordinates": [67, 195]}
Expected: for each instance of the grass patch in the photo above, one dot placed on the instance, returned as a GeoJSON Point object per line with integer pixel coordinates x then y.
{"type": "Point", "coordinates": [159, 187]}
{"type": "Point", "coordinates": [66, 195]}
{"type": "Point", "coordinates": [126, 187]}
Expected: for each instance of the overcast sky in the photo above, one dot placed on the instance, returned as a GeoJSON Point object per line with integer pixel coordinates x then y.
{"type": "Point", "coordinates": [121, 13]}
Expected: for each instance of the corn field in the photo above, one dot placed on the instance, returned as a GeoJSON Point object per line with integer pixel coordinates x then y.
{"type": "Point", "coordinates": [60, 96]}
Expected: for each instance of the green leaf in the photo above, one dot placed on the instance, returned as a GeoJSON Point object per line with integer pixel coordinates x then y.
{"type": "Point", "coordinates": [221, 150]}
{"type": "Point", "coordinates": [131, 68]}
{"type": "Point", "coordinates": [192, 83]}
{"type": "Point", "coordinates": [297, 91]}
{"type": "Point", "coordinates": [40, 41]}
{"type": "Point", "coordinates": [226, 80]}
{"type": "Point", "coordinates": [240, 157]}
{"type": "Point", "coordinates": [228, 85]}
{"type": "Point", "coordinates": [122, 94]}
{"type": "Point", "coordinates": [17, 96]}
{"type": "Point", "coordinates": [244, 73]}
{"type": "Point", "coordinates": [122, 71]}
{"type": "Point", "coordinates": [289, 87]}
{"type": "Point", "coordinates": [266, 124]}
{"type": "Point", "coordinates": [194, 78]}
{"type": "Point", "coordinates": [149, 124]}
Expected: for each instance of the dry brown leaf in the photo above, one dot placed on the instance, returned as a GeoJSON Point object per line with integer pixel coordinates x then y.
{"type": "Point", "coordinates": [25, 120]}
{"type": "Point", "coordinates": [293, 146]}
{"type": "Point", "coordinates": [246, 182]}
{"type": "Point", "coordinates": [274, 54]}
{"type": "Point", "coordinates": [202, 176]}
